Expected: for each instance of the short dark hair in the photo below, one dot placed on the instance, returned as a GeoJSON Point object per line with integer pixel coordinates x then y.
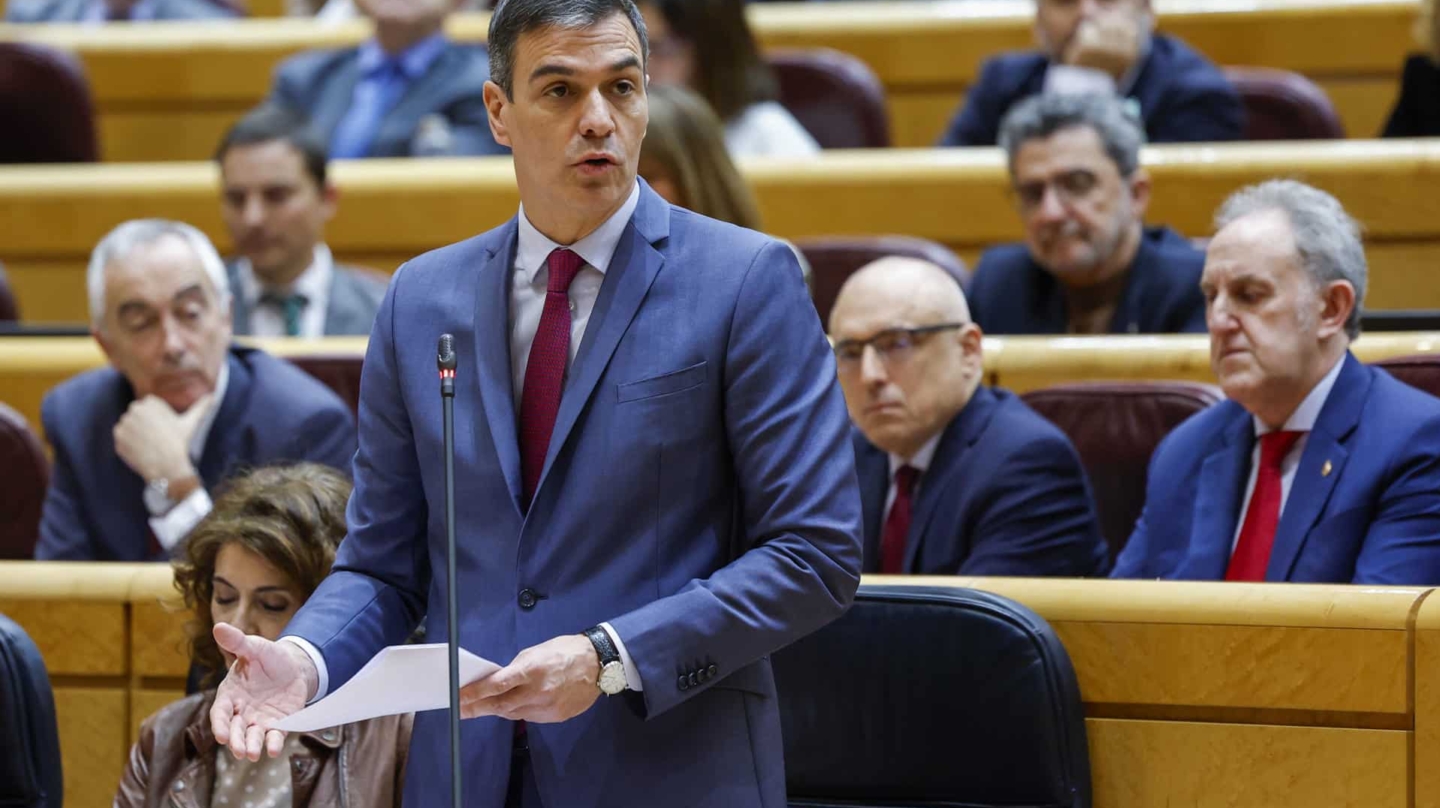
{"type": "Point", "coordinates": [1040, 116]}
{"type": "Point", "coordinates": [515, 17]}
{"type": "Point", "coordinates": [269, 122]}
{"type": "Point", "coordinates": [730, 72]}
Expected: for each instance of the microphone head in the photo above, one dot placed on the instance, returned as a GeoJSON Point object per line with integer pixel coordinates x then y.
{"type": "Point", "coordinates": [445, 352]}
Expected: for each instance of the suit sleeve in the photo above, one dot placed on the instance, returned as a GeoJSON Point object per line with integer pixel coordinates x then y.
{"type": "Point", "coordinates": [376, 591]}
{"type": "Point", "coordinates": [977, 121]}
{"type": "Point", "coordinates": [798, 498]}
{"type": "Point", "coordinates": [1133, 559]}
{"type": "Point", "coordinates": [1204, 111]}
{"type": "Point", "coordinates": [1039, 519]}
{"type": "Point", "coordinates": [64, 535]}
{"type": "Point", "coordinates": [1402, 546]}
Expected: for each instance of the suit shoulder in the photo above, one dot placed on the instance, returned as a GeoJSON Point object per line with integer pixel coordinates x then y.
{"type": "Point", "coordinates": [1010, 69]}
{"type": "Point", "coordinates": [28, 11]}
{"type": "Point", "coordinates": [308, 67]}
{"type": "Point", "coordinates": [1394, 402]}
{"type": "Point", "coordinates": [1183, 65]}
{"type": "Point", "coordinates": [468, 61]}
{"type": "Point", "coordinates": [80, 396]}
{"type": "Point", "coordinates": [1191, 439]}
{"type": "Point", "coordinates": [694, 230]}
{"type": "Point", "coordinates": [1021, 428]}
{"type": "Point", "coordinates": [998, 263]}
{"type": "Point", "coordinates": [371, 283]}
{"type": "Point", "coordinates": [195, 10]}
{"type": "Point", "coordinates": [282, 388]}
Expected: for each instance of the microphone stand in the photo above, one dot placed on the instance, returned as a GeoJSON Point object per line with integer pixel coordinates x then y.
{"type": "Point", "coordinates": [446, 361]}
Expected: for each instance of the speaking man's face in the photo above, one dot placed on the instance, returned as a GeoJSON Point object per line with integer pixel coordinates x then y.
{"type": "Point", "coordinates": [577, 115]}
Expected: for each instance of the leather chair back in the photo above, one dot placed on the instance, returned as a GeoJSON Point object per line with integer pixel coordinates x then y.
{"type": "Point", "coordinates": [1280, 105]}
{"type": "Point", "coordinates": [934, 697]}
{"type": "Point", "coordinates": [30, 771]}
{"type": "Point", "coordinates": [339, 372]}
{"type": "Point", "coordinates": [1115, 427]}
{"type": "Point", "coordinates": [835, 96]}
{"type": "Point", "coordinates": [1421, 371]}
{"type": "Point", "coordinates": [45, 105]}
{"type": "Point", "coordinates": [9, 309]}
{"type": "Point", "coordinates": [24, 474]}
{"type": "Point", "coordinates": [833, 259]}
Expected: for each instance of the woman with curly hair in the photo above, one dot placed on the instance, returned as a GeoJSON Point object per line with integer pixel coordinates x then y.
{"type": "Point", "coordinates": [260, 553]}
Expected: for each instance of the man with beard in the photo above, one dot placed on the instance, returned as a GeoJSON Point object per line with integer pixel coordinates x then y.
{"type": "Point", "coordinates": [1089, 265]}
{"type": "Point", "coordinates": [138, 445]}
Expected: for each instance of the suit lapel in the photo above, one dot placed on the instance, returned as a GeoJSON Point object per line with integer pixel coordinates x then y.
{"type": "Point", "coordinates": [632, 270]}
{"type": "Point", "coordinates": [332, 105]}
{"type": "Point", "coordinates": [1314, 482]}
{"type": "Point", "coordinates": [872, 466]}
{"type": "Point", "coordinates": [400, 122]}
{"type": "Point", "coordinates": [1217, 502]}
{"type": "Point", "coordinates": [964, 429]}
{"type": "Point", "coordinates": [492, 349]}
{"type": "Point", "coordinates": [228, 428]}
{"type": "Point", "coordinates": [340, 308]}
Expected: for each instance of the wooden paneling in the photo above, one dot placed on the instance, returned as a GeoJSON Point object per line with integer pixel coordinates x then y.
{"type": "Point", "coordinates": [1148, 764]}
{"type": "Point", "coordinates": [1427, 702]}
{"type": "Point", "coordinates": [94, 740]}
{"type": "Point", "coordinates": [162, 646]}
{"type": "Point", "coordinates": [75, 638]}
{"type": "Point", "coordinates": [184, 81]}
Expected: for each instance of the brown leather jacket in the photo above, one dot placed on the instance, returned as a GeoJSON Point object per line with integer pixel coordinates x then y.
{"type": "Point", "coordinates": [355, 766]}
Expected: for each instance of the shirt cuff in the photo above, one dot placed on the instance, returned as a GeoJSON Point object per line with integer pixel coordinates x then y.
{"type": "Point", "coordinates": [322, 679]}
{"type": "Point", "coordinates": [172, 528]}
{"type": "Point", "coordinates": [1069, 79]}
{"type": "Point", "coordinates": [632, 673]}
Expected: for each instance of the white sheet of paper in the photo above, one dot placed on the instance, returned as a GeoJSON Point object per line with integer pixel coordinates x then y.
{"type": "Point", "coordinates": [399, 679]}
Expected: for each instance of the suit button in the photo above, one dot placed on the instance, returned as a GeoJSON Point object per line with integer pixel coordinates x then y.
{"type": "Point", "coordinates": [527, 599]}
{"type": "Point", "coordinates": [712, 670]}
{"type": "Point", "coordinates": [694, 679]}
{"type": "Point", "coordinates": [684, 683]}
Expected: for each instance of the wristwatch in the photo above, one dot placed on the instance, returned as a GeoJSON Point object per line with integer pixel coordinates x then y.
{"type": "Point", "coordinates": [612, 670]}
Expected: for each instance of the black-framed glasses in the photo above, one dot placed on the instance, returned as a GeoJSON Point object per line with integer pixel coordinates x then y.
{"type": "Point", "coordinates": [892, 344]}
{"type": "Point", "coordinates": [1070, 187]}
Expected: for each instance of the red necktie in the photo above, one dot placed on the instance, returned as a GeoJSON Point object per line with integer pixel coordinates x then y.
{"type": "Point", "coordinates": [897, 523]}
{"type": "Point", "coordinates": [545, 371]}
{"type": "Point", "coordinates": [1257, 536]}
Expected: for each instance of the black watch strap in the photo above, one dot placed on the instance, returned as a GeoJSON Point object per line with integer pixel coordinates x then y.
{"type": "Point", "coordinates": [604, 647]}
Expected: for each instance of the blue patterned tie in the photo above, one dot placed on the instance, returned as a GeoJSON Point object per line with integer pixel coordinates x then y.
{"type": "Point", "coordinates": [375, 95]}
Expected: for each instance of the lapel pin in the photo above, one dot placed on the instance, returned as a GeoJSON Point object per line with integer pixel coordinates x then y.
{"type": "Point", "coordinates": [1325, 469]}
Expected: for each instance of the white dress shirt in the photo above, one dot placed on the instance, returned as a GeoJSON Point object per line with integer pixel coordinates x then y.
{"type": "Point", "coordinates": [268, 319]}
{"type": "Point", "coordinates": [924, 456]}
{"type": "Point", "coordinates": [1303, 421]}
{"type": "Point", "coordinates": [527, 301]}
{"type": "Point", "coordinates": [767, 129]}
{"type": "Point", "coordinates": [171, 522]}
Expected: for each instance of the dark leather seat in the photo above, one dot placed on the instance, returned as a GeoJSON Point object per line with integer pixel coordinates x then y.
{"type": "Point", "coordinates": [30, 770]}
{"type": "Point", "coordinates": [1115, 427]}
{"type": "Point", "coordinates": [1280, 105]}
{"type": "Point", "coordinates": [1421, 371]}
{"type": "Point", "coordinates": [936, 697]}
{"type": "Point", "coordinates": [9, 309]}
{"type": "Point", "coordinates": [833, 259]}
{"type": "Point", "coordinates": [24, 473]}
{"type": "Point", "coordinates": [45, 105]}
{"type": "Point", "coordinates": [835, 96]}
{"type": "Point", "coordinates": [339, 372]}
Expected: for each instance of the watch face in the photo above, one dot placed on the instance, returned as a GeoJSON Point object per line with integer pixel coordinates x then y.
{"type": "Point", "coordinates": [612, 678]}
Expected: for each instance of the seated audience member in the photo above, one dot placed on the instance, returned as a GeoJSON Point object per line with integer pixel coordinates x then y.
{"type": "Point", "coordinates": [1104, 46]}
{"type": "Point", "coordinates": [99, 11]}
{"type": "Point", "coordinates": [1089, 265]}
{"type": "Point", "coordinates": [1417, 110]}
{"type": "Point", "coordinates": [1317, 468]}
{"type": "Point", "coordinates": [955, 478]}
{"type": "Point", "coordinates": [408, 91]}
{"type": "Point", "coordinates": [276, 200]}
{"type": "Point", "coordinates": [707, 45]}
{"type": "Point", "coordinates": [138, 445]}
{"type": "Point", "coordinates": [250, 564]}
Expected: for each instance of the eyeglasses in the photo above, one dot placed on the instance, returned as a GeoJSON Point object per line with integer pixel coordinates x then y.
{"type": "Point", "coordinates": [892, 344]}
{"type": "Point", "coordinates": [1070, 187]}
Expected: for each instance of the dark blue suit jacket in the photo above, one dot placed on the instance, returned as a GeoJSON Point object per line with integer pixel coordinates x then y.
{"type": "Point", "coordinates": [319, 86]}
{"type": "Point", "coordinates": [1182, 96]}
{"type": "Point", "coordinates": [1005, 494]}
{"type": "Point", "coordinates": [1011, 294]}
{"type": "Point", "coordinates": [95, 510]}
{"type": "Point", "coordinates": [1364, 506]}
{"type": "Point", "coordinates": [699, 494]}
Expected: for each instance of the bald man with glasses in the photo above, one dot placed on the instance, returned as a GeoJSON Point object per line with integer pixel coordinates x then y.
{"type": "Point", "coordinates": [955, 478]}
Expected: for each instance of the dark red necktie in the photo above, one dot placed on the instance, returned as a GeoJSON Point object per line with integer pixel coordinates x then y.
{"type": "Point", "coordinates": [897, 522]}
{"type": "Point", "coordinates": [545, 371]}
{"type": "Point", "coordinates": [1257, 535]}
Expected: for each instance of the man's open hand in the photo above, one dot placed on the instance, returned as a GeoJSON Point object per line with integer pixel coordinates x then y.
{"type": "Point", "coordinates": [269, 681]}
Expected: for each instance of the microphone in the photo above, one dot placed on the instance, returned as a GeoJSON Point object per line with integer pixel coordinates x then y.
{"type": "Point", "coordinates": [445, 362]}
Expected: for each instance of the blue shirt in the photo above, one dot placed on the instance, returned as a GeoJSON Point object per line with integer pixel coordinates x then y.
{"type": "Point", "coordinates": [100, 12]}
{"type": "Point", "coordinates": [383, 82]}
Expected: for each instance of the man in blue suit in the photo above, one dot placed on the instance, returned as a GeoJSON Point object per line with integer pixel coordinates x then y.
{"type": "Point", "coordinates": [684, 505]}
{"type": "Point", "coordinates": [955, 478]}
{"type": "Point", "coordinates": [102, 11]}
{"type": "Point", "coordinates": [1317, 468]}
{"type": "Point", "coordinates": [1088, 264]}
{"type": "Point", "coordinates": [407, 92]}
{"type": "Point", "coordinates": [139, 445]}
{"type": "Point", "coordinates": [1104, 46]}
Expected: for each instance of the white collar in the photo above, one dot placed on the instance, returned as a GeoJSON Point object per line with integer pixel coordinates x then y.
{"type": "Point", "coordinates": [922, 458]}
{"type": "Point", "coordinates": [596, 249]}
{"type": "Point", "coordinates": [1304, 417]}
{"type": "Point", "coordinates": [202, 430]}
{"type": "Point", "coordinates": [313, 283]}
